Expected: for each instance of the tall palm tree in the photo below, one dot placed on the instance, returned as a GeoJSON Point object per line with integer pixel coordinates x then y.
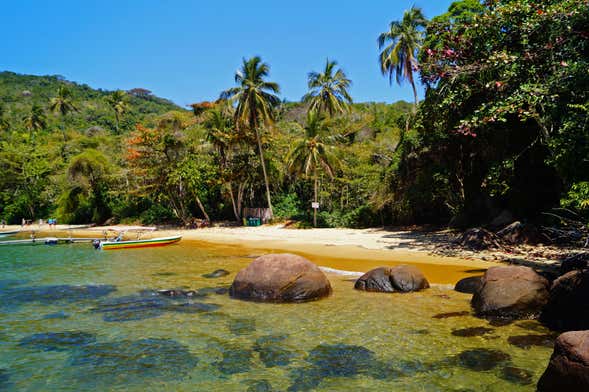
{"type": "Point", "coordinates": [400, 45]}
{"type": "Point", "coordinates": [256, 99]}
{"type": "Point", "coordinates": [62, 104]}
{"type": "Point", "coordinates": [328, 90]}
{"type": "Point", "coordinates": [117, 101]}
{"type": "Point", "coordinates": [312, 153]}
{"type": "Point", "coordinates": [35, 120]}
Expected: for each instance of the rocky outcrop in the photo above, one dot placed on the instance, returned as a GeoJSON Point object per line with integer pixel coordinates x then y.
{"type": "Point", "coordinates": [576, 262]}
{"type": "Point", "coordinates": [568, 369]}
{"type": "Point", "coordinates": [469, 285]}
{"type": "Point", "coordinates": [402, 278]}
{"type": "Point", "coordinates": [522, 233]}
{"type": "Point", "coordinates": [280, 278]}
{"type": "Point", "coordinates": [567, 308]}
{"type": "Point", "coordinates": [510, 292]}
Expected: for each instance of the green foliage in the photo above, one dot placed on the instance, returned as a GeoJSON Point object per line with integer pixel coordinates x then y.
{"type": "Point", "coordinates": [578, 198]}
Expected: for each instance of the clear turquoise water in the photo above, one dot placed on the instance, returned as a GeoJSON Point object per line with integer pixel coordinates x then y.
{"type": "Point", "coordinates": [72, 318]}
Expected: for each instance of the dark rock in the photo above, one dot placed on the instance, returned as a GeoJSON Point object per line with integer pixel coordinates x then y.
{"type": "Point", "coordinates": [165, 274]}
{"type": "Point", "coordinates": [57, 341]}
{"type": "Point", "coordinates": [4, 380]}
{"type": "Point", "coordinates": [576, 262]}
{"type": "Point", "coordinates": [280, 278]}
{"type": "Point", "coordinates": [181, 293]}
{"type": "Point", "coordinates": [478, 239]}
{"type": "Point", "coordinates": [522, 233]}
{"type": "Point", "coordinates": [272, 351]}
{"type": "Point", "coordinates": [126, 361]}
{"type": "Point", "coordinates": [503, 219]}
{"type": "Point", "coordinates": [451, 314]}
{"type": "Point", "coordinates": [235, 360]}
{"type": "Point", "coordinates": [402, 278]}
{"type": "Point", "coordinates": [514, 291]}
{"type": "Point", "coordinates": [216, 274]}
{"type": "Point", "coordinates": [469, 285]}
{"type": "Point", "coordinates": [532, 325]}
{"type": "Point", "coordinates": [482, 359]}
{"type": "Point", "coordinates": [567, 308]}
{"type": "Point", "coordinates": [516, 375]}
{"type": "Point", "coordinates": [568, 369]}
{"type": "Point", "coordinates": [527, 341]}
{"type": "Point", "coordinates": [473, 331]}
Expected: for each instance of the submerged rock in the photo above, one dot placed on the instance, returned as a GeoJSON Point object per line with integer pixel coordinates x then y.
{"type": "Point", "coordinates": [451, 314]}
{"type": "Point", "coordinates": [469, 285]}
{"type": "Point", "coordinates": [527, 341]}
{"type": "Point", "coordinates": [258, 386]}
{"type": "Point", "coordinates": [56, 293]}
{"type": "Point", "coordinates": [567, 308]}
{"type": "Point", "coordinates": [568, 369]}
{"type": "Point", "coordinates": [402, 278]}
{"type": "Point", "coordinates": [149, 304]}
{"type": "Point", "coordinates": [473, 331]}
{"type": "Point", "coordinates": [516, 375]}
{"type": "Point", "coordinates": [272, 351]}
{"type": "Point", "coordinates": [57, 315]}
{"type": "Point", "coordinates": [241, 326]}
{"type": "Point", "coordinates": [280, 278]}
{"type": "Point", "coordinates": [513, 291]}
{"type": "Point", "coordinates": [132, 360]}
{"type": "Point", "coordinates": [57, 341]}
{"type": "Point", "coordinates": [235, 360]}
{"type": "Point", "coordinates": [216, 274]}
{"type": "Point", "coordinates": [481, 359]}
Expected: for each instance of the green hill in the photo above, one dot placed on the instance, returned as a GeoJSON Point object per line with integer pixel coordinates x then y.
{"type": "Point", "coordinates": [19, 92]}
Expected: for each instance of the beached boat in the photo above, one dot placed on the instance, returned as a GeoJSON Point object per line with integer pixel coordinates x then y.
{"type": "Point", "coordinates": [147, 243]}
{"type": "Point", "coordinates": [7, 233]}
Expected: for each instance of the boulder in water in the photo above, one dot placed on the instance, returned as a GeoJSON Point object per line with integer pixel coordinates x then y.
{"type": "Point", "coordinates": [280, 278]}
{"type": "Point", "coordinates": [469, 285]}
{"type": "Point", "coordinates": [402, 278]}
{"type": "Point", "coordinates": [567, 309]}
{"type": "Point", "coordinates": [513, 292]}
{"type": "Point", "coordinates": [568, 369]}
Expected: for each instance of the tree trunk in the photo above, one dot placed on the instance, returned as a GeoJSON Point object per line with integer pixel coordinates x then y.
{"type": "Point", "coordinates": [233, 204]}
{"type": "Point", "coordinates": [202, 208]}
{"type": "Point", "coordinates": [315, 201]}
{"type": "Point", "coordinates": [415, 96]}
{"type": "Point", "coordinates": [117, 121]}
{"type": "Point", "coordinates": [261, 150]}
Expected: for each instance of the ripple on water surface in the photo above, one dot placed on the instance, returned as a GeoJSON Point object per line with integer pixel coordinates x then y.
{"type": "Point", "coordinates": [150, 319]}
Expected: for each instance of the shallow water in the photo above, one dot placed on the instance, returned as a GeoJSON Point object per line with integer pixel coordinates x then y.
{"type": "Point", "coordinates": [72, 318]}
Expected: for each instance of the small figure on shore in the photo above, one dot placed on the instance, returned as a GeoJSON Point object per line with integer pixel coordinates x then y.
{"type": "Point", "coordinates": [22, 223]}
{"type": "Point", "coordinates": [3, 222]}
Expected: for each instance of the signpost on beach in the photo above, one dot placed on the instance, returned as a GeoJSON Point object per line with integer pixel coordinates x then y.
{"type": "Point", "coordinates": [315, 206]}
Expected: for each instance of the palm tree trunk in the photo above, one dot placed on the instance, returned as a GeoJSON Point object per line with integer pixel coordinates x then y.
{"type": "Point", "coordinates": [264, 171]}
{"type": "Point", "coordinates": [235, 212]}
{"type": "Point", "coordinates": [315, 201]}
{"type": "Point", "coordinates": [117, 121]}
{"type": "Point", "coordinates": [414, 95]}
{"type": "Point", "coordinates": [202, 208]}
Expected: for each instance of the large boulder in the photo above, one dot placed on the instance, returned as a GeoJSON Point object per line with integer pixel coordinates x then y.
{"type": "Point", "coordinates": [567, 308]}
{"type": "Point", "coordinates": [469, 285]}
{"type": "Point", "coordinates": [522, 233]}
{"type": "Point", "coordinates": [478, 239]}
{"type": "Point", "coordinates": [568, 369]}
{"type": "Point", "coordinates": [511, 292]}
{"type": "Point", "coordinates": [280, 278]}
{"type": "Point", "coordinates": [402, 278]}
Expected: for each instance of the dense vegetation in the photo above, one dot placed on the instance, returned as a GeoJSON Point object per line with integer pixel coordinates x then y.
{"type": "Point", "coordinates": [503, 127]}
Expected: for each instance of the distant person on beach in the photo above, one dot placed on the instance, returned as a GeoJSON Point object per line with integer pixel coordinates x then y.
{"type": "Point", "coordinates": [22, 222]}
{"type": "Point", "coordinates": [3, 223]}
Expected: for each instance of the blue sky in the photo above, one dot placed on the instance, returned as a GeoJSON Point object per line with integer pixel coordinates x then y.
{"type": "Point", "coordinates": [188, 51]}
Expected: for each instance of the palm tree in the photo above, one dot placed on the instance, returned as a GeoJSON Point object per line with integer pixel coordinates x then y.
{"type": "Point", "coordinates": [312, 153]}
{"type": "Point", "coordinates": [35, 120]}
{"type": "Point", "coordinates": [256, 99]}
{"type": "Point", "coordinates": [328, 90]}
{"type": "Point", "coordinates": [117, 101]}
{"type": "Point", "coordinates": [62, 104]}
{"type": "Point", "coordinates": [399, 47]}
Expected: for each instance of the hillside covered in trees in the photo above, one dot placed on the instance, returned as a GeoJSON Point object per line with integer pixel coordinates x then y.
{"type": "Point", "coordinates": [502, 130]}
